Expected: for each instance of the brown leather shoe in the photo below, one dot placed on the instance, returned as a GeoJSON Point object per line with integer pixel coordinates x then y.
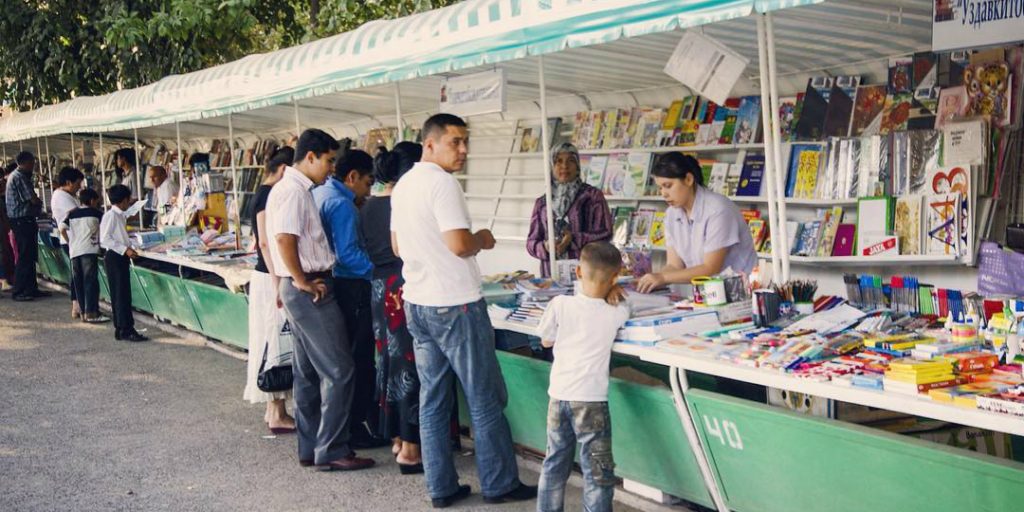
{"type": "Point", "coordinates": [305, 462]}
{"type": "Point", "coordinates": [350, 463]}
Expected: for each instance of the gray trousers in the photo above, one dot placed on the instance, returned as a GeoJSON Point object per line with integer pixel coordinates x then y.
{"type": "Point", "coordinates": [323, 371]}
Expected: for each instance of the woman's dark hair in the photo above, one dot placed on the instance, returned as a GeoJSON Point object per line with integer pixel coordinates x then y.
{"type": "Point", "coordinates": [128, 154]}
{"type": "Point", "coordinates": [118, 193]}
{"type": "Point", "coordinates": [69, 175]}
{"type": "Point", "coordinates": [676, 166]}
{"type": "Point", "coordinates": [285, 155]}
{"type": "Point", "coordinates": [389, 166]}
{"type": "Point", "coordinates": [353, 160]}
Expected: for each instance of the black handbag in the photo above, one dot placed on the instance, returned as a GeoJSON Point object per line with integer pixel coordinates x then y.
{"type": "Point", "coordinates": [273, 379]}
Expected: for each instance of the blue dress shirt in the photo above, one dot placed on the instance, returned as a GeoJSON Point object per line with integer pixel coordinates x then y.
{"type": "Point", "coordinates": [340, 218]}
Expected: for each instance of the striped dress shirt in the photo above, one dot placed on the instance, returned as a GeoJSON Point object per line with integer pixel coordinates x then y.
{"type": "Point", "coordinates": [292, 210]}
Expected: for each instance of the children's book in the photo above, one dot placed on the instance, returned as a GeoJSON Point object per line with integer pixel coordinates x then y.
{"type": "Point", "coordinates": [617, 181]}
{"type": "Point", "coordinates": [758, 233]}
{"type": "Point", "coordinates": [840, 106]}
{"type": "Point", "coordinates": [803, 170]}
{"type": "Point", "coordinates": [719, 173]}
{"type": "Point", "coordinates": [731, 112]}
{"type": "Point", "coordinates": [829, 230]}
{"type": "Point", "coordinates": [641, 227]}
{"type": "Point", "coordinates": [896, 112]}
{"type": "Point", "coordinates": [956, 179]}
{"type": "Point", "coordinates": [748, 120]}
{"type": "Point", "coordinates": [901, 75]}
{"type": "Point", "coordinates": [846, 235]}
{"type": "Point", "coordinates": [593, 167]}
{"type": "Point", "coordinates": [621, 225]}
{"type": "Point", "coordinates": [657, 238]}
{"type": "Point", "coordinates": [751, 176]}
{"type": "Point", "coordinates": [787, 113]}
{"type": "Point", "coordinates": [867, 110]}
{"type": "Point", "coordinates": [639, 168]}
{"type": "Point", "coordinates": [953, 102]}
{"type": "Point", "coordinates": [706, 164]}
{"type": "Point", "coordinates": [941, 223]}
{"type": "Point", "coordinates": [992, 81]}
{"type": "Point", "coordinates": [907, 224]}
{"type": "Point", "coordinates": [673, 114]}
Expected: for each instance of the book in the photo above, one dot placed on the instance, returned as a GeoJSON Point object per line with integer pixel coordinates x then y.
{"type": "Point", "coordinates": [992, 81]}
{"type": "Point", "coordinates": [941, 229]}
{"type": "Point", "coordinates": [621, 225]}
{"type": "Point", "coordinates": [953, 102]}
{"type": "Point", "coordinates": [924, 106]}
{"type": "Point", "coordinates": [653, 329]}
{"type": "Point", "coordinates": [730, 114]}
{"type": "Point", "coordinates": [758, 232]}
{"type": "Point", "coordinates": [829, 230]}
{"type": "Point", "coordinates": [610, 128]}
{"type": "Point", "coordinates": [748, 120]}
{"type": "Point", "coordinates": [867, 110]}
{"type": "Point", "coordinates": [874, 219]}
{"type": "Point", "coordinates": [673, 114]}
{"type": "Point", "coordinates": [657, 237]}
{"type": "Point", "coordinates": [717, 182]}
{"type": "Point", "coordinates": [787, 113]}
{"type": "Point", "coordinates": [617, 179]}
{"type": "Point", "coordinates": [956, 179]}
{"type": "Point", "coordinates": [706, 165]}
{"type": "Point", "coordinates": [593, 167]}
{"type": "Point", "coordinates": [907, 224]}
{"type": "Point", "coordinates": [840, 106]}
{"type": "Point", "coordinates": [639, 164]}
{"type": "Point", "coordinates": [811, 123]}
{"type": "Point", "coordinates": [896, 112]}
{"type": "Point", "coordinates": [901, 73]}
{"type": "Point", "coordinates": [595, 130]}
{"type": "Point", "coordinates": [732, 180]}
{"type": "Point", "coordinates": [641, 227]}
{"type": "Point", "coordinates": [751, 176]}
{"type": "Point", "coordinates": [802, 178]}
{"type": "Point", "coordinates": [845, 240]}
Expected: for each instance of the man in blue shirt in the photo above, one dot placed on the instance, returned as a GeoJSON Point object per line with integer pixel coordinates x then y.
{"type": "Point", "coordinates": [23, 206]}
{"type": "Point", "coordinates": [338, 201]}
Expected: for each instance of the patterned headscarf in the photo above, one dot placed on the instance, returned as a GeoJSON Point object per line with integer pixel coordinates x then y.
{"type": "Point", "coordinates": [563, 194]}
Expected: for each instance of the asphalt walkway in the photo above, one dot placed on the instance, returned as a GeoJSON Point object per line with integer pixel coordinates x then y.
{"type": "Point", "coordinates": [89, 423]}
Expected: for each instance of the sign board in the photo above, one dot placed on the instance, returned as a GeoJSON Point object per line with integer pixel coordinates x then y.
{"type": "Point", "coordinates": [707, 67]}
{"type": "Point", "coordinates": [969, 23]}
{"type": "Point", "coordinates": [479, 93]}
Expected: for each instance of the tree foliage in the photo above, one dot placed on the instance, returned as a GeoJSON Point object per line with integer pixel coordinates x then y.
{"type": "Point", "coordinates": [54, 50]}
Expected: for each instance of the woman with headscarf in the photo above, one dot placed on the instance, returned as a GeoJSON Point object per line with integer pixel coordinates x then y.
{"type": "Point", "coordinates": [580, 210]}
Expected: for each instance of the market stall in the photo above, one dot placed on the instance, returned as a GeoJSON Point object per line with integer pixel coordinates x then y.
{"type": "Point", "coordinates": [570, 61]}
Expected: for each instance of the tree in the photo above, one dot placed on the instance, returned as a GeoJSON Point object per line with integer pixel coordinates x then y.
{"type": "Point", "coordinates": [54, 50]}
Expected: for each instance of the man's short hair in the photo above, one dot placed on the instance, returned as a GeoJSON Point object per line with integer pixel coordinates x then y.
{"type": "Point", "coordinates": [128, 154]}
{"type": "Point", "coordinates": [601, 257]}
{"type": "Point", "coordinates": [159, 170]}
{"type": "Point", "coordinates": [316, 141]}
{"type": "Point", "coordinates": [87, 195]}
{"type": "Point", "coordinates": [437, 124]}
{"type": "Point", "coordinates": [24, 157]}
{"type": "Point", "coordinates": [118, 193]}
{"type": "Point", "coordinates": [69, 175]}
{"type": "Point", "coordinates": [353, 160]}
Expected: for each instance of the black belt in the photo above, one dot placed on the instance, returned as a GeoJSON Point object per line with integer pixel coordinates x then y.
{"type": "Point", "coordinates": [326, 274]}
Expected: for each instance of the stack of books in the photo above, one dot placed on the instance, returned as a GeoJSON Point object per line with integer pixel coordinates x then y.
{"type": "Point", "coordinates": [539, 289]}
{"type": "Point", "coordinates": [911, 376]}
{"type": "Point", "coordinates": [528, 313]}
{"type": "Point", "coordinates": [1009, 401]}
{"type": "Point", "coordinates": [651, 329]}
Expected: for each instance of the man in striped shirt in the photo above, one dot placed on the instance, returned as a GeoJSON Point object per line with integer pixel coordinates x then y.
{"type": "Point", "coordinates": [22, 208]}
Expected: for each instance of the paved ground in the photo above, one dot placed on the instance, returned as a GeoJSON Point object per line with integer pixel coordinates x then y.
{"type": "Point", "coordinates": [89, 423]}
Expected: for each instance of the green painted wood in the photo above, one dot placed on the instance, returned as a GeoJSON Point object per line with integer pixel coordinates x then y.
{"type": "Point", "coordinates": [104, 284]}
{"type": "Point", "coordinates": [649, 445]}
{"type": "Point", "coordinates": [140, 296]}
{"type": "Point", "coordinates": [223, 314]}
{"type": "Point", "coordinates": [168, 297]}
{"type": "Point", "coordinates": [769, 459]}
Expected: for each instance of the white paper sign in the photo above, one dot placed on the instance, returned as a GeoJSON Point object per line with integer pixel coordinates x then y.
{"type": "Point", "coordinates": [706, 66]}
{"type": "Point", "coordinates": [479, 93]}
{"type": "Point", "coordinates": [967, 23]}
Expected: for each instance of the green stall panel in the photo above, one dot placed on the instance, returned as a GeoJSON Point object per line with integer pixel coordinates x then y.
{"type": "Point", "coordinates": [769, 459]}
{"type": "Point", "coordinates": [45, 264]}
{"type": "Point", "coordinates": [649, 444]}
{"type": "Point", "coordinates": [168, 298]}
{"type": "Point", "coordinates": [104, 285]}
{"type": "Point", "coordinates": [224, 315]}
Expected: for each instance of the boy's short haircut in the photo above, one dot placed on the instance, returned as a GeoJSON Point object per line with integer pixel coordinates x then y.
{"type": "Point", "coordinates": [68, 175]}
{"type": "Point", "coordinates": [437, 124]}
{"type": "Point", "coordinates": [602, 257]}
{"type": "Point", "coordinates": [87, 195]}
{"type": "Point", "coordinates": [118, 193]}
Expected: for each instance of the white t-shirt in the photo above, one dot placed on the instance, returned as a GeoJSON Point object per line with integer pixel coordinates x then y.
{"type": "Point", "coordinates": [584, 330]}
{"type": "Point", "coordinates": [426, 203]}
{"type": "Point", "coordinates": [61, 204]}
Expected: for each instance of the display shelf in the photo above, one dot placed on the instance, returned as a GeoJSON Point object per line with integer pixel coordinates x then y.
{"type": "Point", "coordinates": [871, 261]}
{"type": "Point", "coordinates": [820, 202]}
{"type": "Point", "coordinates": [888, 400]}
{"type": "Point", "coordinates": [668, 149]}
{"type": "Point", "coordinates": [659, 199]}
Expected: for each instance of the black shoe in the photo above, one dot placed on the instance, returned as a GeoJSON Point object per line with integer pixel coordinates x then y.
{"type": "Point", "coordinates": [22, 298]}
{"type": "Point", "coordinates": [133, 337]}
{"type": "Point", "coordinates": [448, 501]}
{"type": "Point", "coordinates": [411, 469]}
{"type": "Point", "coordinates": [368, 442]}
{"type": "Point", "coordinates": [522, 493]}
{"type": "Point", "coordinates": [39, 294]}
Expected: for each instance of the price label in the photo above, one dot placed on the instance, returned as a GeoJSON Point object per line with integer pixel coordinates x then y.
{"type": "Point", "coordinates": [725, 431]}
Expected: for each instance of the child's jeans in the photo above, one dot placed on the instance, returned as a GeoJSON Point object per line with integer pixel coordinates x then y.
{"type": "Point", "coordinates": [590, 425]}
{"type": "Point", "coordinates": [85, 280]}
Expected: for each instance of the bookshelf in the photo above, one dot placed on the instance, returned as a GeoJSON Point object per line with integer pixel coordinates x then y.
{"type": "Point", "coordinates": [715, 148]}
{"type": "Point", "coordinates": [870, 261]}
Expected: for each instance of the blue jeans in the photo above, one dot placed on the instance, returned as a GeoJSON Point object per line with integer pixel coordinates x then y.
{"type": "Point", "coordinates": [590, 425]}
{"type": "Point", "coordinates": [458, 341]}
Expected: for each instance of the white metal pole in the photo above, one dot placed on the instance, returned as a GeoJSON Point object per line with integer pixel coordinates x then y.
{"type": "Point", "coordinates": [237, 202]}
{"type": "Point", "coordinates": [298, 126]}
{"type": "Point", "coordinates": [181, 168]}
{"type": "Point", "coordinates": [49, 172]}
{"type": "Point", "coordinates": [73, 161]}
{"type": "Point", "coordinates": [780, 177]}
{"type": "Point", "coordinates": [769, 152]}
{"type": "Point", "coordinates": [103, 176]}
{"type": "Point", "coordinates": [680, 385]}
{"type": "Point", "coordinates": [138, 177]}
{"type": "Point", "coordinates": [398, 113]}
{"type": "Point", "coordinates": [546, 145]}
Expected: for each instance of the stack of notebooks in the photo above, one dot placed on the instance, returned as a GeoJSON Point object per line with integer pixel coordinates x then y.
{"type": "Point", "coordinates": [911, 376]}
{"type": "Point", "coordinates": [1009, 401]}
{"type": "Point", "coordinates": [528, 313]}
{"type": "Point", "coordinates": [539, 289]}
{"type": "Point", "coordinates": [648, 330]}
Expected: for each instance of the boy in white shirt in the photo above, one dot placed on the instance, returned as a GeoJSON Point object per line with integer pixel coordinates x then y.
{"type": "Point", "coordinates": [117, 262]}
{"type": "Point", "coordinates": [81, 228]}
{"type": "Point", "coordinates": [582, 329]}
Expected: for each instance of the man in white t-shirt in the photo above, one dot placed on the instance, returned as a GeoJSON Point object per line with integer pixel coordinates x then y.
{"type": "Point", "coordinates": [63, 201]}
{"type": "Point", "coordinates": [162, 193]}
{"type": "Point", "coordinates": [582, 329]}
{"type": "Point", "coordinates": [430, 231]}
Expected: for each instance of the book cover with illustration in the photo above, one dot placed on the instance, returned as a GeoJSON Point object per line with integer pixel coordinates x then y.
{"type": "Point", "coordinates": [867, 110]}
{"type": "Point", "coordinates": [942, 229]}
{"type": "Point", "coordinates": [896, 112]}
{"type": "Point", "coordinates": [730, 111]}
{"type": "Point", "coordinates": [657, 238]}
{"type": "Point", "coordinates": [592, 168]}
{"type": "Point", "coordinates": [907, 224]}
{"type": "Point", "coordinates": [811, 123]}
{"type": "Point", "coordinates": [787, 113]}
{"type": "Point", "coordinates": [953, 102]}
{"type": "Point", "coordinates": [802, 179]}
{"type": "Point", "coordinates": [748, 120]}
{"type": "Point", "coordinates": [901, 75]}
{"type": "Point", "coordinates": [751, 176]}
{"type": "Point", "coordinates": [840, 105]}
{"type": "Point", "coordinates": [621, 225]}
{"type": "Point", "coordinates": [641, 227]}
